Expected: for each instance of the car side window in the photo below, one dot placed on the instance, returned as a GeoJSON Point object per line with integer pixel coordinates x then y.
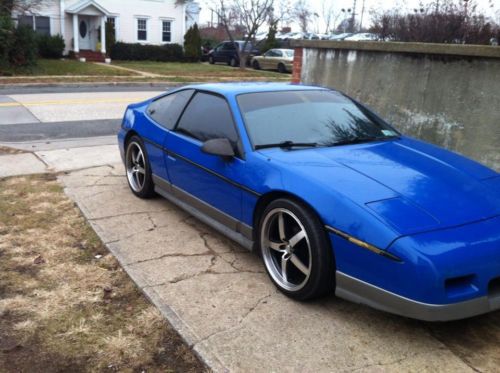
{"type": "Point", "coordinates": [208, 117]}
{"type": "Point", "coordinates": [167, 109]}
{"type": "Point", "coordinates": [278, 53]}
{"type": "Point", "coordinates": [229, 47]}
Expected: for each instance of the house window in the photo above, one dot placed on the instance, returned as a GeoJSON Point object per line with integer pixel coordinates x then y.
{"type": "Point", "coordinates": [142, 31]}
{"type": "Point", "coordinates": [166, 31]}
{"type": "Point", "coordinates": [40, 24]}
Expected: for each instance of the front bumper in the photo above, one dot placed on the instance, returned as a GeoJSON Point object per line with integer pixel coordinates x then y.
{"type": "Point", "coordinates": [358, 291]}
{"type": "Point", "coordinates": [441, 275]}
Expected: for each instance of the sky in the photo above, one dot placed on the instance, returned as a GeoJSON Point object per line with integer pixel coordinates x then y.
{"type": "Point", "coordinates": [319, 26]}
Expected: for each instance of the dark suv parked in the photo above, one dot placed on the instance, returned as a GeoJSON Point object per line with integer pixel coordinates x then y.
{"type": "Point", "coordinates": [226, 52]}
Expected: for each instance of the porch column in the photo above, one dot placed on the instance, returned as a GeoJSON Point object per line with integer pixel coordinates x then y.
{"type": "Point", "coordinates": [76, 46]}
{"type": "Point", "coordinates": [103, 34]}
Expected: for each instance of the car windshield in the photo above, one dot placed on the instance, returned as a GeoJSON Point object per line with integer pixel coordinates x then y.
{"type": "Point", "coordinates": [320, 117]}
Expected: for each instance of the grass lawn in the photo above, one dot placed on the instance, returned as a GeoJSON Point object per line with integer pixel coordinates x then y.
{"type": "Point", "coordinates": [67, 67]}
{"type": "Point", "coordinates": [65, 303]}
{"type": "Point", "coordinates": [179, 69]}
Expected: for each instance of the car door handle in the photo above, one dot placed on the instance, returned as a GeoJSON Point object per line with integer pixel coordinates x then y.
{"type": "Point", "coordinates": [172, 158]}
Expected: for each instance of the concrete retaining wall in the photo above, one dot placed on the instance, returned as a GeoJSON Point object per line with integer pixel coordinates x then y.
{"type": "Point", "coordinates": [445, 94]}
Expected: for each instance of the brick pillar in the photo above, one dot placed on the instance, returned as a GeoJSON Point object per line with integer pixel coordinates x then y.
{"type": "Point", "coordinates": [297, 65]}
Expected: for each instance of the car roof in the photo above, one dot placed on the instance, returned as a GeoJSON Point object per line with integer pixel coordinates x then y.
{"type": "Point", "coordinates": [234, 89]}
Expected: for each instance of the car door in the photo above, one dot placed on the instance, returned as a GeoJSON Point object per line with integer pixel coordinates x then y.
{"type": "Point", "coordinates": [268, 60]}
{"type": "Point", "coordinates": [217, 52]}
{"type": "Point", "coordinates": [229, 51]}
{"type": "Point", "coordinates": [161, 116]}
{"type": "Point", "coordinates": [206, 181]}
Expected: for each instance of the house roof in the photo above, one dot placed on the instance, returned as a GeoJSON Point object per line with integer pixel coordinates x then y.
{"type": "Point", "coordinates": [84, 4]}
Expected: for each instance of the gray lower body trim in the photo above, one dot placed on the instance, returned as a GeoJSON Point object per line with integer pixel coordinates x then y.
{"type": "Point", "coordinates": [220, 221]}
{"type": "Point", "coordinates": [358, 291]}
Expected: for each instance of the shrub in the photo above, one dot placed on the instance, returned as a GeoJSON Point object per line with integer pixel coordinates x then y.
{"type": "Point", "coordinates": [50, 46]}
{"type": "Point", "coordinates": [270, 41]}
{"type": "Point", "coordinates": [446, 22]}
{"type": "Point", "coordinates": [192, 44]}
{"type": "Point", "coordinates": [6, 41]}
{"type": "Point", "coordinates": [110, 36]}
{"type": "Point", "coordinates": [24, 48]}
{"type": "Point", "coordinates": [140, 52]}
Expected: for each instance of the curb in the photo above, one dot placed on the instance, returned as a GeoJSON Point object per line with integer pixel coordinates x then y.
{"type": "Point", "coordinates": [5, 87]}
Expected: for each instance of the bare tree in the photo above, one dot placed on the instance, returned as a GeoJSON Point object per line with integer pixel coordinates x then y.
{"type": "Point", "coordinates": [329, 15]}
{"type": "Point", "coordinates": [250, 14]}
{"type": "Point", "coordinates": [7, 7]}
{"type": "Point", "coordinates": [302, 14]}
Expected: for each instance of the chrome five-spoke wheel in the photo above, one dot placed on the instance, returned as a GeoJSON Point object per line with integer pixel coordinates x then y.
{"type": "Point", "coordinates": [286, 249]}
{"type": "Point", "coordinates": [296, 250]}
{"type": "Point", "coordinates": [137, 168]}
{"type": "Point", "coordinates": [136, 172]}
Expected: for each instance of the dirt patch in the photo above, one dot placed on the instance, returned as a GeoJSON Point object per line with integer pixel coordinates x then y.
{"type": "Point", "coordinates": [4, 150]}
{"type": "Point", "coordinates": [65, 303]}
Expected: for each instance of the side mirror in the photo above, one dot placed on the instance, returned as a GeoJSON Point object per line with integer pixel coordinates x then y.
{"type": "Point", "coordinates": [221, 147]}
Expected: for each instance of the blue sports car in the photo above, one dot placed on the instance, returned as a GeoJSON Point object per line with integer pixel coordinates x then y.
{"type": "Point", "coordinates": [331, 195]}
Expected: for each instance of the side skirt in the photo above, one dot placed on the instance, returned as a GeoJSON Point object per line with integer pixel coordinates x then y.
{"type": "Point", "coordinates": [220, 221]}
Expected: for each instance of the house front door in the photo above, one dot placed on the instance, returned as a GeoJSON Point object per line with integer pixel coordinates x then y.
{"type": "Point", "coordinates": [84, 33]}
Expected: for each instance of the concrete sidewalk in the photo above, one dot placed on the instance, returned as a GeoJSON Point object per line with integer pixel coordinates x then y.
{"type": "Point", "coordinates": [56, 156]}
{"type": "Point", "coordinates": [219, 298]}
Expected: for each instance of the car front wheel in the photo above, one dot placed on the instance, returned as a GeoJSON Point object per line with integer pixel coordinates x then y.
{"type": "Point", "coordinates": [256, 65]}
{"type": "Point", "coordinates": [296, 250]}
{"type": "Point", "coordinates": [233, 62]}
{"type": "Point", "coordinates": [138, 169]}
{"type": "Point", "coordinates": [211, 60]}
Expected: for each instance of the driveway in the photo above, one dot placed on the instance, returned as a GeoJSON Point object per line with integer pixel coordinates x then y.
{"type": "Point", "coordinates": [217, 295]}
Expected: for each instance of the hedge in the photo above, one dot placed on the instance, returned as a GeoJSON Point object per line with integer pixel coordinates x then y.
{"type": "Point", "coordinates": [140, 52]}
{"type": "Point", "coordinates": [50, 46]}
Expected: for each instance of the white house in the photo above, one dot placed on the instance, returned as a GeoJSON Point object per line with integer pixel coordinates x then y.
{"type": "Point", "coordinates": [82, 22]}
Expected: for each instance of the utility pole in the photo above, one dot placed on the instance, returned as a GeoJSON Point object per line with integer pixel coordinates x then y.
{"type": "Point", "coordinates": [353, 20]}
{"type": "Point", "coordinates": [362, 14]}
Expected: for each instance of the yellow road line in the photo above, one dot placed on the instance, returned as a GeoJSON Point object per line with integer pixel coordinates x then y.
{"type": "Point", "coordinates": [73, 102]}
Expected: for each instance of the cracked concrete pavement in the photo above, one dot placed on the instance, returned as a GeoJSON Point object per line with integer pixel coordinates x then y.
{"type": "Point", "coordinates": [217, 295]}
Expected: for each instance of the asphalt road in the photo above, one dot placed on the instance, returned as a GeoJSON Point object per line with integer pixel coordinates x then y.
{"type": "Point", "coordinates": [67, 112]}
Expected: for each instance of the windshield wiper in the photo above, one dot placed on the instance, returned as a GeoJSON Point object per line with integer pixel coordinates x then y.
{"type": "Point", "coordinates": [358, 140]}
{"type": "Point", "coordinates": [286, 145]}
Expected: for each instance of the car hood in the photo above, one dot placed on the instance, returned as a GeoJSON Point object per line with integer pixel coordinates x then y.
{"type": "Point", "coordinates": [411, 185]}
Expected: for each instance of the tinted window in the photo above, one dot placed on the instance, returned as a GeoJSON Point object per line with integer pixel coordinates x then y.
{"type": "Point", "coordinates": [321, 117]}
{"type": "Point", "coordinates": [208, 117]}
{"type": "Point", "coordinates": [166, 110]}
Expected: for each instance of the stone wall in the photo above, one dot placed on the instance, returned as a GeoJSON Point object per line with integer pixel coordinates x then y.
{"type": "Point", "coordinates": [445, 94]}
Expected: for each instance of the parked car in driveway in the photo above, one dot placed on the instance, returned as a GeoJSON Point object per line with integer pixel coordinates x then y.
{"type": "Point", "coordinates": [274, 59]}
{"type": "Point", "coordinates": [227, 52]}
{"type": "Point", "coordinates": [332, 196]}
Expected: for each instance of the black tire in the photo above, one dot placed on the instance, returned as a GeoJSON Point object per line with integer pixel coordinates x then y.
{"type": "Point", "coordinates": [320, 264]}
{"type": "Point", "coordinates": [140, 183]}
{"type": "Point", "coordinates": [281, 68]}
{"type": "Point", "coordinates": [211, 60]}
{"type": "Point", "coordinates": [256, 65]}
{"type": "Point", "coordinates": [233, 62]}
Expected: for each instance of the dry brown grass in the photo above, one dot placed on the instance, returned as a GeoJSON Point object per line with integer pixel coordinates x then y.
{"type": "Point", "coordinates": [7, 150]}
{"type": "Point", "coordinates": [54, 312]}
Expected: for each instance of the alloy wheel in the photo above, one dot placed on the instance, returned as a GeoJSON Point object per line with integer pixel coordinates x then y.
{"type": "Point", "coordinates": [136, 167]}
{"type": "Point", "coordinates": [286, 249]}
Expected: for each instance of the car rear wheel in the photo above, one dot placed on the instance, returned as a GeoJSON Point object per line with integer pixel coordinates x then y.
{"type": "Point", "coordinates": [233, 62]}
{"type": "Point", "coordinates": [138, 169]}
{"type": "Point", "coordinates": [296, 250]}
{"type": "Point", "coordinates": [256, 65]}
{"type": "Point", "coordinates": [281, 68]}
